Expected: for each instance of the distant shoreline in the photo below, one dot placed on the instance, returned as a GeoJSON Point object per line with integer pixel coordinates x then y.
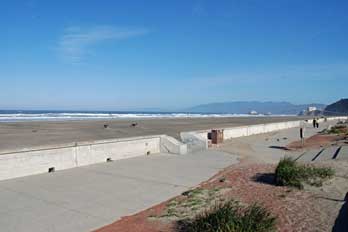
{"type": "Point", "coordinates": [23, 116]}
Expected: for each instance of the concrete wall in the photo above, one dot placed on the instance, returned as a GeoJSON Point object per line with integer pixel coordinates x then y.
{"type": "Point", "coordinates": [258, 129]}
{"type": "Point", "coordinates": [328, 119]}
{"type": "Point", "coordinates": [235, 132]}
{"type": "Point", "coordinates": [171, 145]}
{"type": "Point", "coordinates": [38, 160]}
{"type": "Point", "coordinates": [100, 151]}
{"type": "Point", "coordinates": [196, 141]}
{"type": "Point", "coordinates": [241, 131]}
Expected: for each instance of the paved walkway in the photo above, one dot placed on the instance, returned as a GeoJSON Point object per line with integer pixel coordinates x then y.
{"type": "Point", "coordinates": [270, 147]}
{"type": "Point", "coordinates": [86, 198]}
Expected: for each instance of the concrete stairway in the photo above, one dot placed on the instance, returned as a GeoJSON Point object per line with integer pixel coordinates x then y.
{"type": "Point", "coordinates": [322, 154]}
{"type": "Point", "coordinates": [343, 155]}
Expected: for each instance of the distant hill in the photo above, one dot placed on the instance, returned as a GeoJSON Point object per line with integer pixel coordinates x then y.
{"type": "Point", "coordinates": [244, 107]}
{"type": "Point", "coordinates": [338, 108]}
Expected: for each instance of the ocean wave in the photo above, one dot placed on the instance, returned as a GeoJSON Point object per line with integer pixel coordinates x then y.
{"type": "Point", "coordinates": [86, 116]}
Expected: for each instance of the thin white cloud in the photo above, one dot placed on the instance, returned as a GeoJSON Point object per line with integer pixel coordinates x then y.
{"type": "Point", "coordinates": [75, 43]}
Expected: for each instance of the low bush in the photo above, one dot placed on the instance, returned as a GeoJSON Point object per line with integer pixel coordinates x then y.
{"type": "Point", "coordinates": [290, 173]}
{"type": "Point", "coordinates": [231, 217]}
{"type": "Point", "coordinates": [287, 173]}
{"type": "Point", "coordinates": [338, 129]}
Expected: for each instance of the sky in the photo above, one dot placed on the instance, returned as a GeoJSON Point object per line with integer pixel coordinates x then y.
{"type": "Point", "coordinates": [139, 54]}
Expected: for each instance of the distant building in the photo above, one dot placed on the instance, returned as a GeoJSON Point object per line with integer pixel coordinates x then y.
{"type": "Point", "coordinates": [311, 108]}
{"type": "Point", "coordinates": [311, 111]}
{"type": "Point", "coordinates": [253, 112]}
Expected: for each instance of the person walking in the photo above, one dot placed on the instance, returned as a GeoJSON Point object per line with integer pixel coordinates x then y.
{"type": "Point", "coordinates": [314, 123]}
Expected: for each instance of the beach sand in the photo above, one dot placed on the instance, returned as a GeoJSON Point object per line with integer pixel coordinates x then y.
{"type": "Point", "coordinates": [18, 135]}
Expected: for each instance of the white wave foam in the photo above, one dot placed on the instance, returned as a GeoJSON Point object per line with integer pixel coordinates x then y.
{"type": "Point", "coordinates": [85, 116]}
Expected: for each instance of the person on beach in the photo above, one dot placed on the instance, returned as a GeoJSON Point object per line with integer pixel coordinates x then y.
{"type": "Point", "coordinates": [314, 123]}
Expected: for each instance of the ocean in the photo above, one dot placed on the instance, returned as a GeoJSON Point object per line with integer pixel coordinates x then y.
{"type": "Point", "coordinates": [60, 115]}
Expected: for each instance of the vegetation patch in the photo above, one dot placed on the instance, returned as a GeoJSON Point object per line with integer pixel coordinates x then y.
{"type": "Point", "coordinates": [230, 217]}
{"type": "Point", "coordinates": [338, 129]}
{"type": "Point", "coordinates": [290, 173]}
{"type": "Point", "coordinates": [191, 203]}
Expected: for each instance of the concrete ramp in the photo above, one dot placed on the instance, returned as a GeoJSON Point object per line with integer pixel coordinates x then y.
{"type": "Point", "coordinates": [328, 154]}
{"type": "Point", "coordinates": [194, 141]}
{"type": "Point", "coordinates": [171, 145]}
{"type": "Point", "coordinates": [343, 154]}
{"type": "Point", "coordinates": [310, 155]}
{"type": "Point", "coordinates": [322, 154]}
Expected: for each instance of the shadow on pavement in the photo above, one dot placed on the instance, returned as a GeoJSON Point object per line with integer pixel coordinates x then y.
{"type": "Point", "coordinates": [341, 223]}
{"type": "Point", "coordinates": [280, 148]}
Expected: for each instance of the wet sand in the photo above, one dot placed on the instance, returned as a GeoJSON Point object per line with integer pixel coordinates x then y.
{"type": "Point", "coordinates": [18, 135]}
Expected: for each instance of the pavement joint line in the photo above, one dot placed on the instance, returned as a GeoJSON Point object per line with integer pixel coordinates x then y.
{"type": "Point", "coordinates": [219, 168]}
{"type": "Point", "coordinates": [137, 178]}
{"type": "Point", "coordinates": [300, 156]}
{"type": "Point", "coordinates": [28, 195]}
{"type": "Point", "coordinates": [149, 180]}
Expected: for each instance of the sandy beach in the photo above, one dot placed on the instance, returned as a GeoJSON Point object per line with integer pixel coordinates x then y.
{"type": "Point", "coordinates": [17, 135]}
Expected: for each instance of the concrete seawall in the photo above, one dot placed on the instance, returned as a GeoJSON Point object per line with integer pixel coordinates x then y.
{"type": "Point", "coordinates": [198, 140]}
{"type": "Point", "coordinates": [44, 159]}
{"type": "Point", "coordinates": [230, 133]}
{"type": "Point", "coordinates": [24, 162]}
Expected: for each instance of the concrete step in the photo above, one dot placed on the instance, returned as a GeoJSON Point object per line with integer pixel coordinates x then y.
{"type": "Point", "coordinates": [309, 155]}
{"type": "Point", "coordinates": [327, 154]}
{"type": "Point", "coordinates": [343, 154]}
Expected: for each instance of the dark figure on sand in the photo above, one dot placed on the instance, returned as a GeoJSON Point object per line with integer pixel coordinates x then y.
{"type": "Point", "coordinates": [314, 123]}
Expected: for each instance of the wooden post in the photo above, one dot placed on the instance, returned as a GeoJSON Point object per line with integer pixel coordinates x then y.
{"type": "Point", "coordinates": [302, 136]}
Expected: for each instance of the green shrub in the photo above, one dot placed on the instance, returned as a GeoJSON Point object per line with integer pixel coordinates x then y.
{"type": "Point", "coordinates": [231, 217]}
{"type": "Point", "coordinates": [334, 131]}
{"type": "Point", "coordinates": [338, 129]}
{"type": "Point", "coordinates": [289, 173]}
{"type": "Point", "coordinates": [321, 172]}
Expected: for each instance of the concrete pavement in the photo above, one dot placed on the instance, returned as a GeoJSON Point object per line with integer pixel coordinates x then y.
{"type": "Point", "coordinates": [86, 198]}
{"type": "Point", "coordinates": [270, 147]}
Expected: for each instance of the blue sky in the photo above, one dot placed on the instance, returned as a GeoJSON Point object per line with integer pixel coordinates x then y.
{"type": "Point", "coordinates": [119, 55]}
